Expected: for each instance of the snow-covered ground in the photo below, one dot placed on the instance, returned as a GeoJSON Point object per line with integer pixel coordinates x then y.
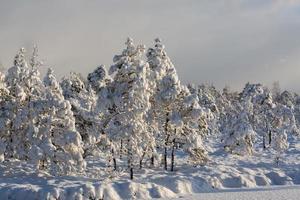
{"type": "Point", "coordinates": [216, 180]}
{"type": "Point", "coordinates": [269, 193]}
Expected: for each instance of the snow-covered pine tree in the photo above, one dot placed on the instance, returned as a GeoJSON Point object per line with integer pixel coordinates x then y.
{"type": "Point", "coordinates": [27, 92]}
{"type": "Point", "coordinates": [166, 91]}
{"type": "Point", "coordinates": [240, 135]}
{"type": "Point", "coordinates": [283, 125]}
{"type": "Point", "coordinates": [63, 144]}
{"type": "Point", "coordinates": [17, 75]}
{"type": "Point", "coordinates": [100, 82]}
{"type": "Point", "coordinates": [130, 97]}
{"type": "Point", "coordinates": [83, 102]}
{"type": "Point", "coordinates": [261, 115]}
{"type": "Point", "coordinates": [188, 126]}
{"type": "Point", "coordinates": [287, 101]}
{"type": "Point", "coordinates": [5, 116]}
{"type": "Point", "coordinates": [280, 144]}
{"type": "Point", "coordinates": [229, 104]}
{"type": "Point", "coordinates": [209, 100]}
{"type": "Point", "coordinates": [17, 83]}
{"type": "Point", "coordinates": [34, 108]}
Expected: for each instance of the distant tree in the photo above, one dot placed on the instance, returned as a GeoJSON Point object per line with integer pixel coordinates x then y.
{"type": "Point", "coordinates": [276, 90]}
{"type": "Point", "coordinates": [287, 98]}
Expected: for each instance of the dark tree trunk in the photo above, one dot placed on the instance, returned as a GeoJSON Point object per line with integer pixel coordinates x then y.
{"type": "Point", "coordinates": [130, 160]}
{"type": "Point", "coordinates": [270, 137]}
{"type": "Point", "coordinates": [115, 164]}
{"type": "Point", "coordinates": [166, 141]}
{"type": "Point", "coordinates": [114, 159]}
{"type": "Point", "coordinates": [264, 141]}
{"type": "Point", "coordinates": [165, 159]}
{"type": "Point", "coordinates": [131, 173]}
{"type": "Point", "coordinates": [130, 168]}
{"type": "Point", "coordinates": [141, 164]}
{"type": "Point", "coordinates": [173, 156]}
{"type": "Point", "coordinates": [152, 161]}
{"type": "Point", "coordinates": [121, 149]}
{"type": "Point", "coordinates": [152, 158]}
{"type": "Point", "coordinates": [141, 160]}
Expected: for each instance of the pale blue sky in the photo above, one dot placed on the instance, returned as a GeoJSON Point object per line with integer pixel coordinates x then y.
{"type": "Point", "coordinates": [224, 42]}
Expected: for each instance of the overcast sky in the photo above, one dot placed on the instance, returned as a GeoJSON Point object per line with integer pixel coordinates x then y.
{"type": "Point", "coordinates": [224, 42]}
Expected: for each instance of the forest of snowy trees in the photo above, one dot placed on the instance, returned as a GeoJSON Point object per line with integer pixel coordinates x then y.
{"type": "Point", "coordinates": [137, 112]}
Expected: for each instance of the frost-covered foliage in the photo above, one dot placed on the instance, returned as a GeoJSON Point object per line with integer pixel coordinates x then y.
{"type": "Point", "coordinates": [99, 78]}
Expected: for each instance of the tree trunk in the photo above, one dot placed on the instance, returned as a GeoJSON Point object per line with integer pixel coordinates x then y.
{"type": "Point", "coordinates": [130, 160]}
{"type": "Point", "coordinates": [264, 141]}
{"type": "Point", "coordinates": [130, 168]}
{"type": "Point", "coordinates": [131, 173]}
{"type": "Point", "coordinates": [141, 164]}
{"type": "Point", "coordinates": [165, 159]}
{"type": "Point", "coordinates": [115, 163]}
{"type": "Point", "coordinates": [152, 158]}
{"type": "Point", "coordinates": [166, 141]}
{"type": "Point", "coordinates": [121, 149]}
{"type": "Point", "coordinates": [114, 159]}
{"type": "Point", "coordinates": [141, 161]}
{"type": "Point", "coordinates": [173, 156]}
{"type": "Point", "coordinates": [270, 137]}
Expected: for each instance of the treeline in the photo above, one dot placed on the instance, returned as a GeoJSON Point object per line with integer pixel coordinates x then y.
{"type": "Point", "coordinates": [138, 111]}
